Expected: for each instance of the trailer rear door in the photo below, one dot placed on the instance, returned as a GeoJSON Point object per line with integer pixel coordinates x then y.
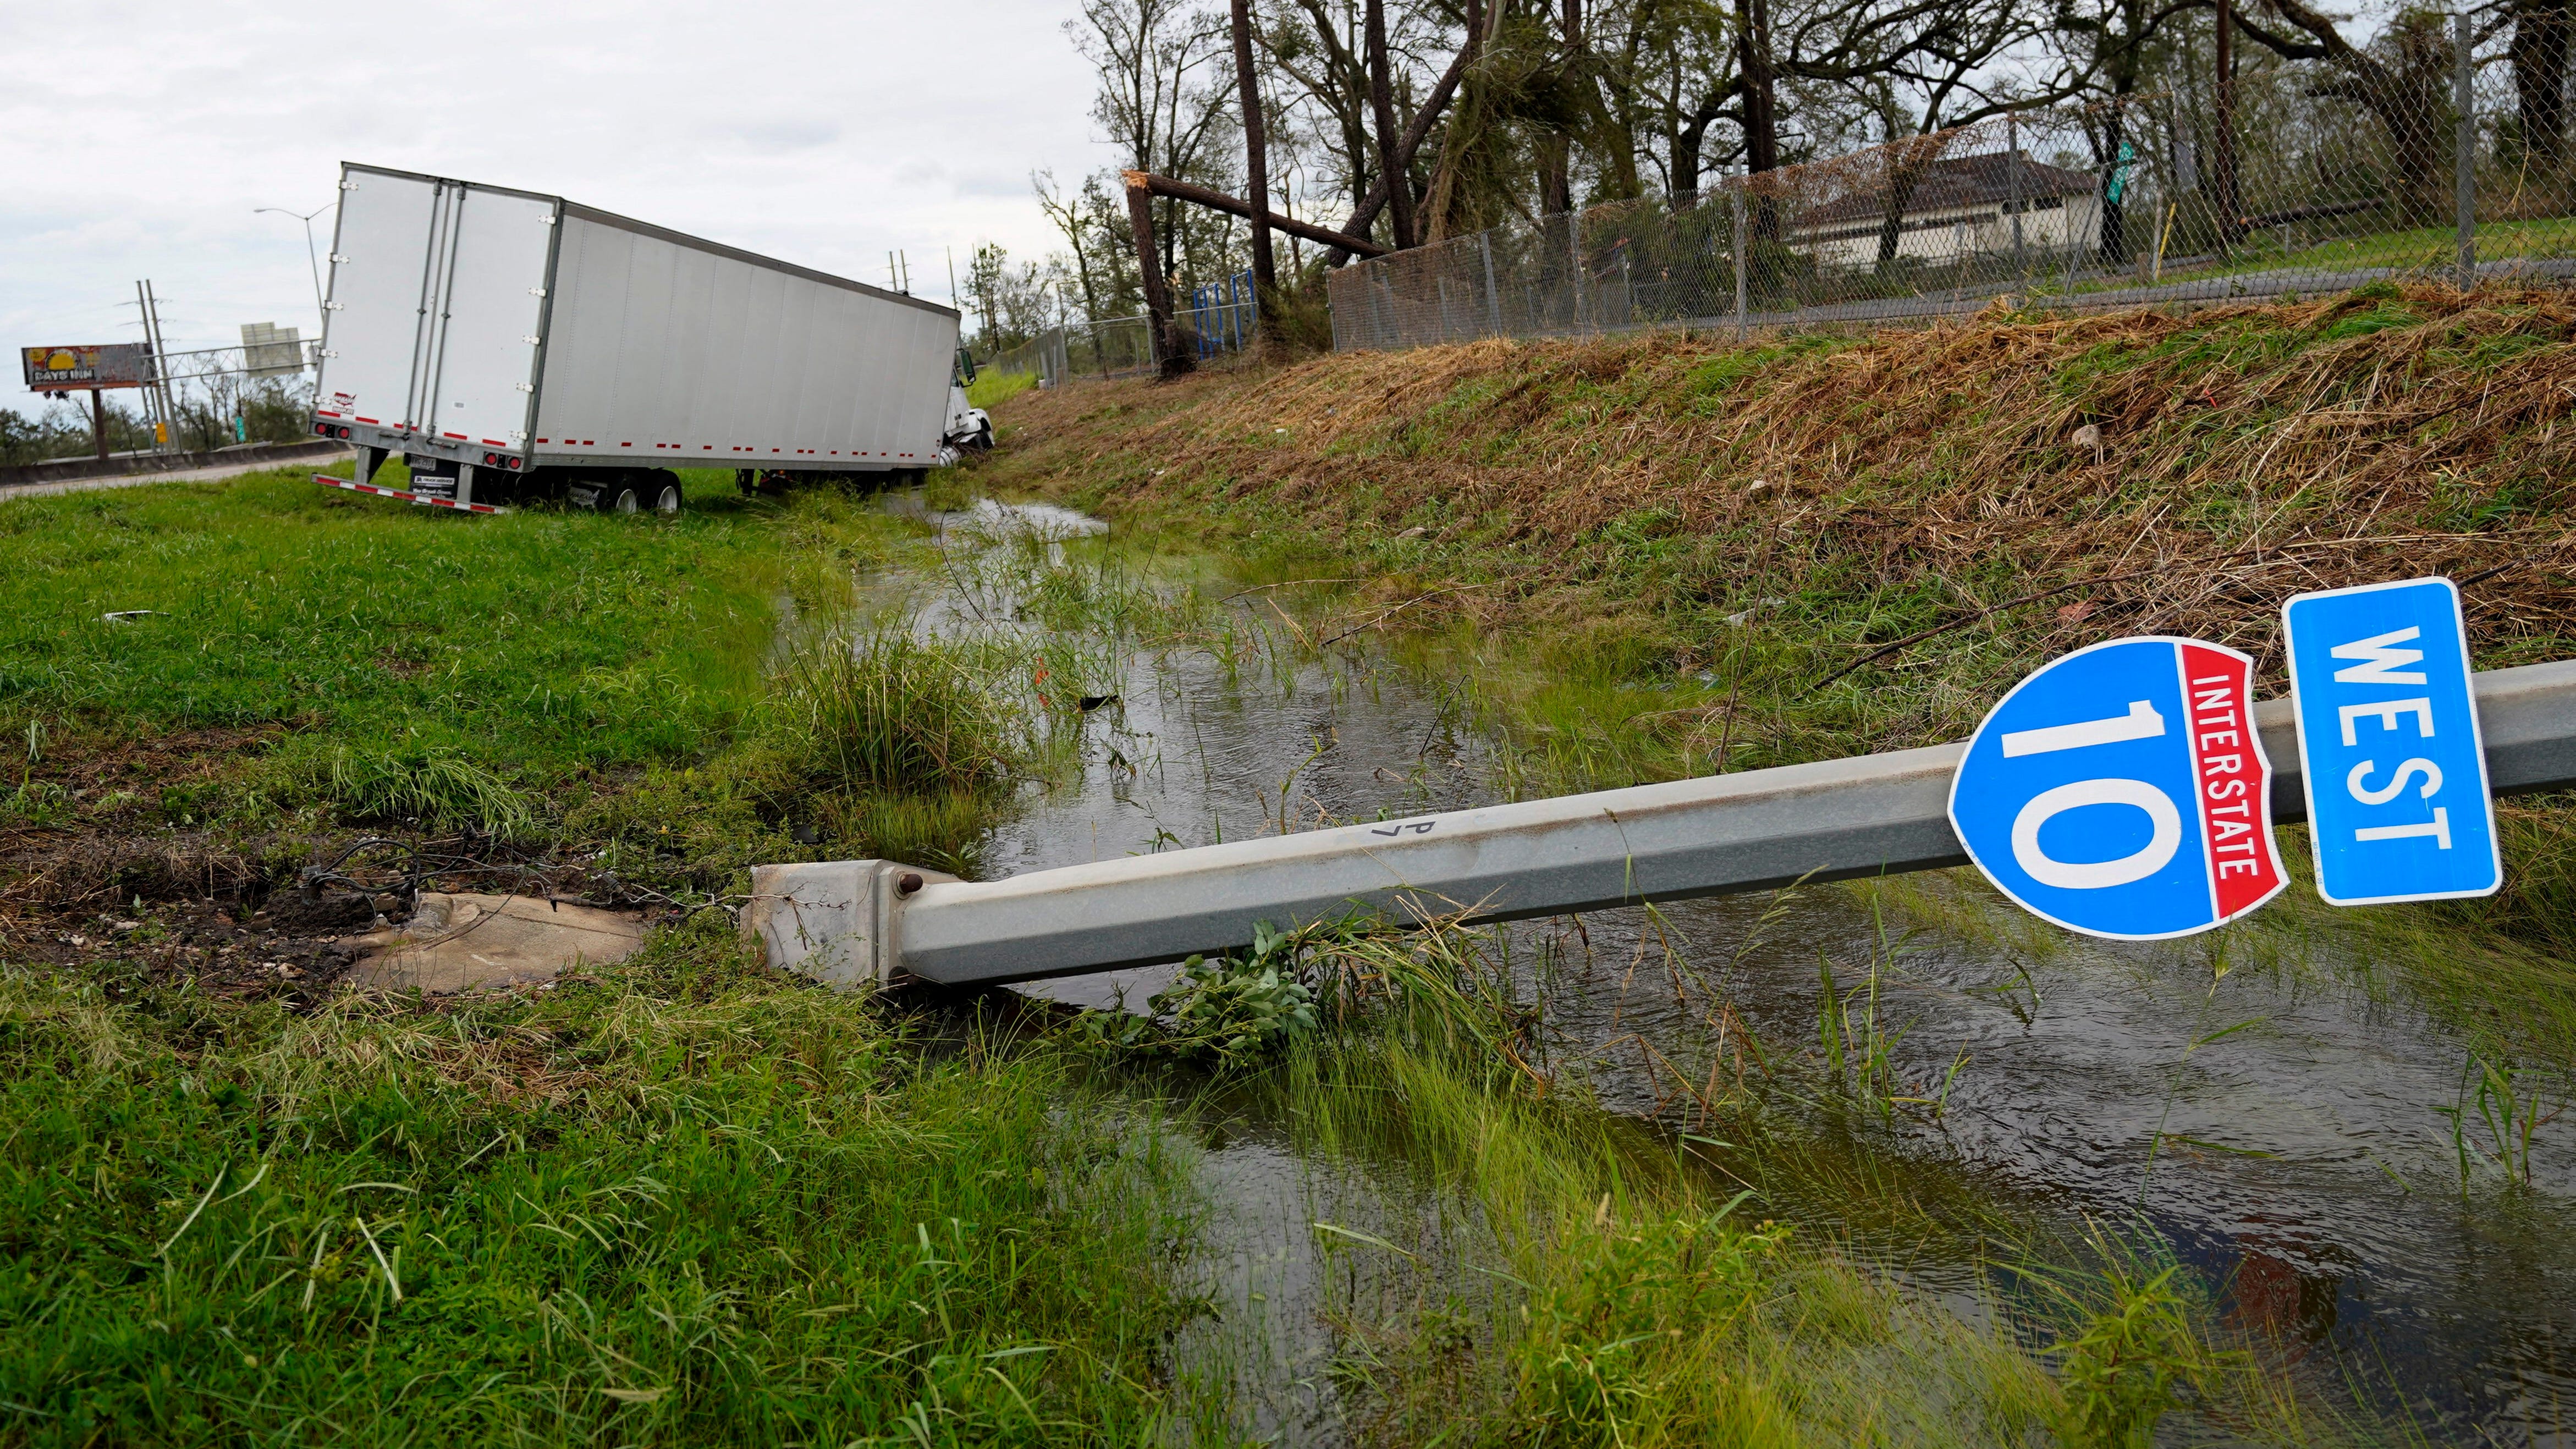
{"type": "Point", "coordinates": [494, 302]}
{"type": "Point", "coordinates": [437, 295]}
{"type": "Point", "coordinates": [380, 280]}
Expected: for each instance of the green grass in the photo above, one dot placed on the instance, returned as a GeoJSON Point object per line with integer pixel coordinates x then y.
{"type": "Point", "coordinates": [990, 389]}
{"type": "Point", "coordinates": [412, 665]}
{"type": "Point", "coordinates": [547, 639]}
{"type": "Point", "coordinates": [675, 1201]}
{"type": "Point", "coordinates": [2427, 250]}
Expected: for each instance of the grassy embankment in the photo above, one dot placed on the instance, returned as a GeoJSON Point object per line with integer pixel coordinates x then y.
{"type": "Point", "coordinates": [683, 1198]}
{"type": "Point", "coordinates": [1654, 556]}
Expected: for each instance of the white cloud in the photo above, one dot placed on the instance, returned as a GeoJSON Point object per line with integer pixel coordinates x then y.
{"type": "Point", "coordinates": [138, 137]}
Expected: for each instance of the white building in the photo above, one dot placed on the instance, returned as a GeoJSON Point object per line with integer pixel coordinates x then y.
{"type": "Point", "coordinates": [1959, 208]}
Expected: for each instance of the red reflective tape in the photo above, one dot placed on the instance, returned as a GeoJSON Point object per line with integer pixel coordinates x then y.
{"type": "Point", "coordinates": [361, 420]}
{"type": "Point", "coordinates": [494, 443]}
{"type": "Point", "coordinates": [540, 440]}
{"type": "Point", "coordinates": [460, 437]}
{"type": "Point", "coordinates": [590, 442]}
{"type": "Point", "coordinates": [328, 481]}
{"type": "Point", "coordinates": [626, 445]}
{"type": "Point", "coordinates": [324, 413]}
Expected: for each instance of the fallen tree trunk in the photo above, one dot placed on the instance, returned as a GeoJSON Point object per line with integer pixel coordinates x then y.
{"type": "Point", "coordinates": [1173, 355]}
{"type": "Point", "coordinates": [1147, 182]}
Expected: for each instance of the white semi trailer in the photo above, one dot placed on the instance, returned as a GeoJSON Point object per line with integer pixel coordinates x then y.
{"type": "Point", "coordinates": [510, 345]}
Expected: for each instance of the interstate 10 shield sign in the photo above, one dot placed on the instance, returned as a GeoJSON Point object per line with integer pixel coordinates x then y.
{"type": "Point", "coordinates": [2122, 791]}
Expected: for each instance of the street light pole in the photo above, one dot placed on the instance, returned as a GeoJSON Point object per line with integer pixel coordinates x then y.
{"type": "Point", "coordinates": [311, 262]}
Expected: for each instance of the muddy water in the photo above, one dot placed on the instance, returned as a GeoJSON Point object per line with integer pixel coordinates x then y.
{"type": "Point", "coordinates": [2301, 1163]}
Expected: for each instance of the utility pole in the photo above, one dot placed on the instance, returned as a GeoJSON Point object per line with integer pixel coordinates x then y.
{"type": "Point", "coordinates": [156, 389]}
{"type": "Point", "coordinates": [161, 373]}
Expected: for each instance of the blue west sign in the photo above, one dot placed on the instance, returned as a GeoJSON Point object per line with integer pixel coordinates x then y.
{"type": "Point", "coordinates": [2122, 791]}
{"type": "Point", "coordinates": [2395, 771]}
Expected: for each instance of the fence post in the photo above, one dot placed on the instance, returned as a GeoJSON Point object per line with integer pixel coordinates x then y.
{"type": "Point", "coordinates": [1735, 200]}
{"type": "Point", "coordinates": [1574, 260]}
{"type": "Point", "coordinates": [1493, 303]}
{"type": "Point", "coordinates": [2465, 180]}
{"type": "Point", "coordinates": [2012, 167]}
{"type": "Point", "coordinates": [2101, 210]}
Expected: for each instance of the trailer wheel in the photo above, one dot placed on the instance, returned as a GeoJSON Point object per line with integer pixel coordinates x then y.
{"type": "Point", "coordinates": [616, 497]}
{"type": "Point", "coordinates": [662, 486]}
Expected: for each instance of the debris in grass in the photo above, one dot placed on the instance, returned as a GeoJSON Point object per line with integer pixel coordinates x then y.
{"type": "Point", "coordinates": [463, 941]}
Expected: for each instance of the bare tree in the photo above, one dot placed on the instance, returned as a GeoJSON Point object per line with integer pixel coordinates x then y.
{"type": "Point", "coordinates": [1164, 77]}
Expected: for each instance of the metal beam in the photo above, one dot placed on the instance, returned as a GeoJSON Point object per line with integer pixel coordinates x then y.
{"type": "Point", "coordinates": [1715, 835]}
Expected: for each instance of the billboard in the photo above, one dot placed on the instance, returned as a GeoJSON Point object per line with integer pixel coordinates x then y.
{"type": "Point", "coordinates": [269, 350]}
{"type": "Point", "coordinates": [62, 369]}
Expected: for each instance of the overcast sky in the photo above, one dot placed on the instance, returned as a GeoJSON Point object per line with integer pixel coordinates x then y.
{"type": "Point", "coordinates": [137, 137]}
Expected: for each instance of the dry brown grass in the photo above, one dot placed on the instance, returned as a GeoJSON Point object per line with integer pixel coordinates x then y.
{"type": "Point", "coordinates": [2243, 454]}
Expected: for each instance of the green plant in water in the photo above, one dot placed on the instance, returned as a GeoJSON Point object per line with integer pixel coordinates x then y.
{"type": "Point", "coordinates": [2494, 1097]}
{"type": "Point", "coordinates": [2119, 1370]}
{"type": "Point", "coordinates": [1600, 1337]}
{"type": "Point", "coordinates": [1859, 1044]}
{"type": "Point", "coordinates": [1236, 1012]}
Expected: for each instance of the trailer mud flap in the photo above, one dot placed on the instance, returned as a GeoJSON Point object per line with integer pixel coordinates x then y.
{"type": "Point", "coordinates": [327, 481]}
{"type": "Point", "coordinates": [435, 480]}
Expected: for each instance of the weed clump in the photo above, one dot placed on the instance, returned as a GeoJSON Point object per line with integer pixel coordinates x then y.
{"type": "Point", "coordinates": [1605, 1356]}
{"type": "Point", "coordinates": [431, 787]}
{"type": "Point", "coordinates": [886, 713]}
{"type": "Point", "coordinates": [1234, 1013]}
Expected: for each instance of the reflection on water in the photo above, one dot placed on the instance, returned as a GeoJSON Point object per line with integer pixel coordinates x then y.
{"type": "Point", "coordinates": [2300, 1161]}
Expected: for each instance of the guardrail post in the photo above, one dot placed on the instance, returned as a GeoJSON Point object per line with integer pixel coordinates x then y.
{"type": "Point", "coordinates": [2465, 170]}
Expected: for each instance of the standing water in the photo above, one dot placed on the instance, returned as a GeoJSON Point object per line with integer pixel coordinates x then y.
{"type": "Point", "coordinates": [2302, 1143]}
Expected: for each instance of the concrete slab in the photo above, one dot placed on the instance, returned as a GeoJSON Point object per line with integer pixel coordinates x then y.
{"type": "Point", "coordinates": [462, 942]}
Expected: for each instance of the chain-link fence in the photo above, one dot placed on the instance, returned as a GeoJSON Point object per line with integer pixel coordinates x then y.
{"type": "Point", "coordinates": [1216, 317]}
{"type": "Point", "coordinates": [2326, 178]}
{"type": "Point", "coordinates": [1114, 347]}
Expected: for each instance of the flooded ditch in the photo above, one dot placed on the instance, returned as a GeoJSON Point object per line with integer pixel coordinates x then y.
{"type": "Point", "coordinates": [2288, 1135]}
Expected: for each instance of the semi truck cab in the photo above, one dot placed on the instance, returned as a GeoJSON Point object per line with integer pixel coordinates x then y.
{"type": "Point", "coordinates": [968, 425]}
